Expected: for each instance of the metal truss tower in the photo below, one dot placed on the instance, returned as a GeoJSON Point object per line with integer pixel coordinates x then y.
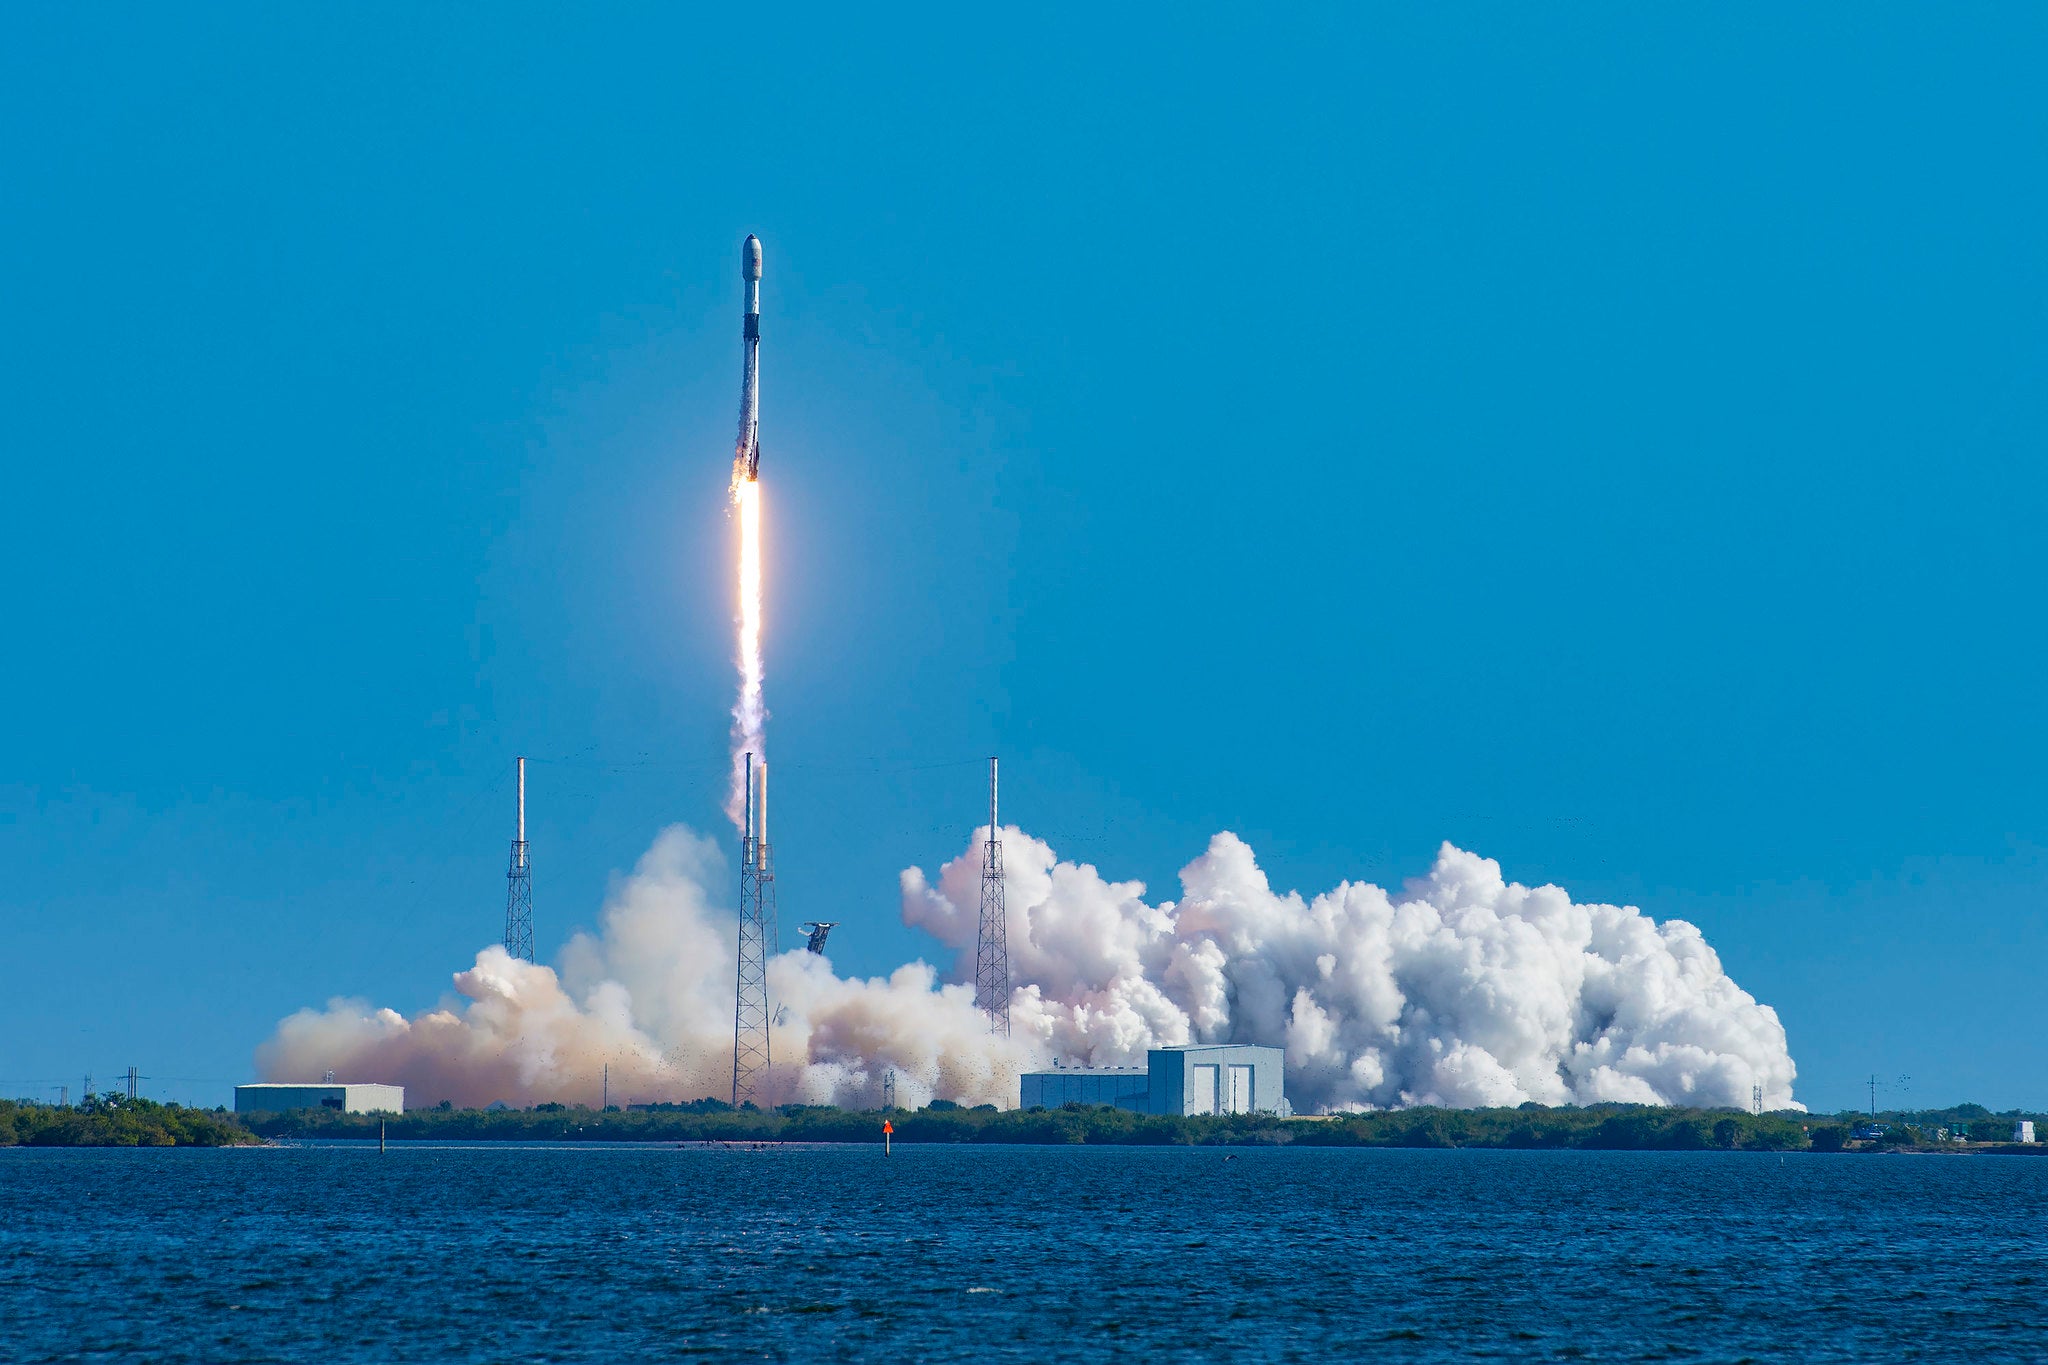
{"type": "Point", "coordinates": [992, 943]}
{"type": "Point", "coordinates": [519, 886]}
{"type": "Point", "coordinates": [750, 1013]}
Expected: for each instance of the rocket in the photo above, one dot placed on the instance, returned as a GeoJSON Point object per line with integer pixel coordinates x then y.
{"type": "Point", "coordinates": [748, 458]}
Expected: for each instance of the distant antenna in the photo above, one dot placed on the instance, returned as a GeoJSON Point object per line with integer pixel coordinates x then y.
{"type": "Point", "coordinates": [85, 1095]}
{"type": "Point", "coordinates": [519, 886]}
{"type": "Point", "coordinates": [992, 943]}
{"type": "Point", "coordinates": [750, 1014]}
{"type": "Point", "coordinates": [1756, 1099]}
{"type": "Point", "coordinates": [131, 1082]}
{"type": "Point", "coordinates": [604, 1104]}
{"type": "Point", "coordinates": [889, 1088]}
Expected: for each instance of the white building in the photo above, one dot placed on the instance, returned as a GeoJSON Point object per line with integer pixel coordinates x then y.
{"type": "Point", "coordinates": [1232, 1078]}
{"type": "Point", "coordinates": [2023, 1131]}
{"type": "Point", "coordinates": [1225, 1078]}
{"type": "Point", "coordinates": [270, 1097]}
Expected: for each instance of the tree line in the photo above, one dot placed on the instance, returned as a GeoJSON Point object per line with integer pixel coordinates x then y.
{"type": "Point", "coordinates": [114, 1120]}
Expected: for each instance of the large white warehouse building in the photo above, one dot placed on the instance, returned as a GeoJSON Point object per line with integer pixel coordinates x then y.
{"type": "Point", "coordinates": [1226, 1078]}
{"type": "Point", "coordinates": [270, 1097]}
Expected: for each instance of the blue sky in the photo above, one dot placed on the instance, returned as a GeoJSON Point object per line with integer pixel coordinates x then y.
{"type": "Point", "coordinates": [1605, 438]}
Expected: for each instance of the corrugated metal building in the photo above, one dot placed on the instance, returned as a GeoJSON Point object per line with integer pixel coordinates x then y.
{"type": "Point", "coordinates": [269, 1097]}
{"type": "Point", "coordinates": [1125, 1087]}
{"type": "Point", "coordinates": [1230, 1078]}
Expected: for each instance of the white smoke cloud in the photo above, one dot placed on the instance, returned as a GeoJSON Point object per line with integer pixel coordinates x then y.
{"type": "Point", "coordinates": [651, 995]}
{"type": "Point", "coordinates": [1464, 989]}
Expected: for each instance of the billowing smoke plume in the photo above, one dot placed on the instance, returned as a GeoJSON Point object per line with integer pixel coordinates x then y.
{"type": "Point", "coordinates": [1462, 989]}
{"type": "Point", "coordinates": [651, 996]}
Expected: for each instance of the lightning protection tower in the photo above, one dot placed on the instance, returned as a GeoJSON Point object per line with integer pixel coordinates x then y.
{"type": "Point", "coordinates": [519, 886]}
{"type": "Point", "coordinates": [750, 1014]}
{"type": "Point", "coordinates": [992, 943]}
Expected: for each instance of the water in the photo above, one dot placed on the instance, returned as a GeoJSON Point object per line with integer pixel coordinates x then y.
{"type": "Point", "coordinates": [1013, 1253]}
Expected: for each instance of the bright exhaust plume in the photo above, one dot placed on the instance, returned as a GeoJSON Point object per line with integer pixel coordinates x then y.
{"type": "Point", "coordinates": [749, 712]}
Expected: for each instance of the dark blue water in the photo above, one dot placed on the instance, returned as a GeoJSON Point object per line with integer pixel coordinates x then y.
{"type": "Point", "coordinates": [583, 1254]}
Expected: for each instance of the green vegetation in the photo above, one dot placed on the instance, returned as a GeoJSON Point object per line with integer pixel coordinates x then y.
{"type": "Point", "coordinates": [1627, 1127]}
{"type": "Point", "coordinates": [1602, 1127]}
{"type": "Point", "coordinates": [116, 1121]}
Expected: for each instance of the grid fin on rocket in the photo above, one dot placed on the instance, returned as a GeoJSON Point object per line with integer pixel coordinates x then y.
{"type": "Point", "coordinates": [748, 458]}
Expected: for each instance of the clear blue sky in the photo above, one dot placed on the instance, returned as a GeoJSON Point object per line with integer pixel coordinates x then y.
{"type": "Point", "coordinates": [1607, 438]}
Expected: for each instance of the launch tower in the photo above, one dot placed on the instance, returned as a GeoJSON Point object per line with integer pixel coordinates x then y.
{"type": "Point", "coordinates": [519, 886]}
{"type": "Point", "coordinates": [992, 943]}
{"type": "Point", "coordinates": [750, 1015]}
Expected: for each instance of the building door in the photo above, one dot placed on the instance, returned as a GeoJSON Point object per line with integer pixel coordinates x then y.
{"type": "Point", "coordinates": [1202, 1090]}
{"type": "Point", "coordinates": [1240, 1090]}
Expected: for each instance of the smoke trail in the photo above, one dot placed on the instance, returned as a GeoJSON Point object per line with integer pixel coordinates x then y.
{"type": "Point", "coordinates": [749, 713]}
{"type": "Point", "coordinates": [1461, 989]}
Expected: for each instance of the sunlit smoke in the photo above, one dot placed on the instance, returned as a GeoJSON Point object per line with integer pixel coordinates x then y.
{"type": "Point", "coordinates": [649, 996]}
{"type": "Point", "coordinates": [1460, 988]}
{"type": "Point", "coordinates": [749, 713]}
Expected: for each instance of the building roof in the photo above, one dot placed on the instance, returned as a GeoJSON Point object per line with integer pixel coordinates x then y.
{"type": "Point", "coordinates": [313, 1085]}
{"type": "Point", "coordinates": [1089, 1071]}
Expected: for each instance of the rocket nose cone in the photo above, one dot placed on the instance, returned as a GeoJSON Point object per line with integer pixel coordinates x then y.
{"type": "Point", "coordinates": [750, 258]}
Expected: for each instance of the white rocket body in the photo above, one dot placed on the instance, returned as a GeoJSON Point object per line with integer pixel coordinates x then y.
{"type": "Point", "coordinates": [749, 455]}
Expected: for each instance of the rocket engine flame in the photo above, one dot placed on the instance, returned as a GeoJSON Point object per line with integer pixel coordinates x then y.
{"type": "Point", "coordinates": [750, 712]}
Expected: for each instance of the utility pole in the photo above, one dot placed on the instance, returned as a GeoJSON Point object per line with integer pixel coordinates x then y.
{"type": "Point", "coordinates": [519, 886]}
{"type": "Point", "coordinates": [1873, 1095]}
{"type": "Point", "coordinates": [604, 1105]}
{"type": "Point", "coordinates": [992, 942]}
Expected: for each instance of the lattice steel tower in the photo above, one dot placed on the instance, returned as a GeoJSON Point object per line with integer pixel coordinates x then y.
{"type": "Point", "coordinates": [992, 943]}
{"type": "Point", "coordinates": [519, 886]}
{"type": "Point", "coordinates": [750, 1015]}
